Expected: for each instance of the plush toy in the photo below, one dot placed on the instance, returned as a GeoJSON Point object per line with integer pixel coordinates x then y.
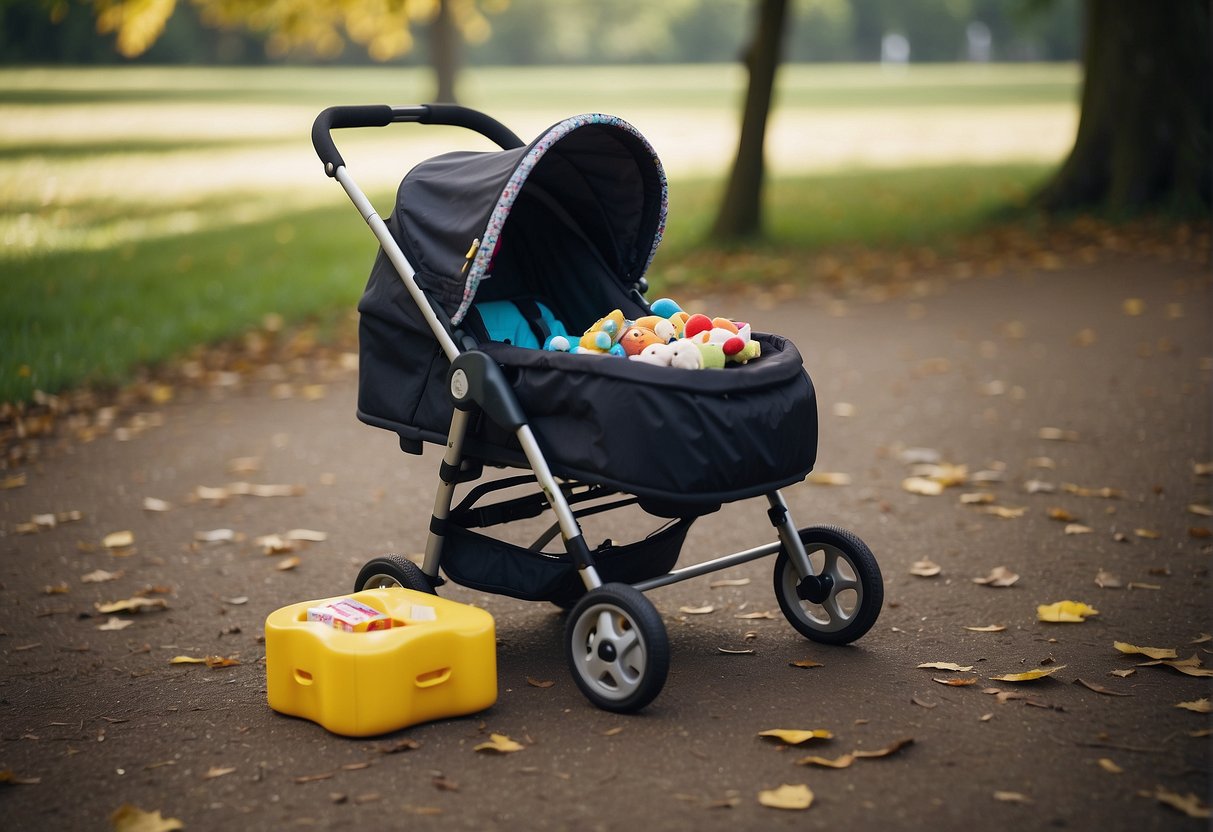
{"type": "Point", "coordinates": [604, 335]}
{"type": "Point", "coordinates": [683, 354]}
{"type": "Point", "coordinates": [732, 338]}
{"type": "Point", "coordinates": [636, 337]}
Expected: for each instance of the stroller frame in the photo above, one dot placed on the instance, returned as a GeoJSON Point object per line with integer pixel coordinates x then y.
{"type": "Point", "coordinates": [616, 643]}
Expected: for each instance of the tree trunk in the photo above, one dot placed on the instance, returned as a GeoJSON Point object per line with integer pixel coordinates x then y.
{"type": "Point", "coordinates": [1144, 130]}
{"type": "Point", "coordinates": [740, 213]}
{"type": "Point", "coordinates": [444, 53]}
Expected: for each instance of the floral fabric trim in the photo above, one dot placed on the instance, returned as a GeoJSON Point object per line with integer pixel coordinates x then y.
{"type": "Point", "coordinates": [505, 202]}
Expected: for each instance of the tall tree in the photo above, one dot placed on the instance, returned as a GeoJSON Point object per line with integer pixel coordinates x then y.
{"type": "Point", "coordinates": [1144, 131]}
{"type": "Point", "coordinates": [740, 214]}
{"type": "Point", "coordinates": [383, 27]}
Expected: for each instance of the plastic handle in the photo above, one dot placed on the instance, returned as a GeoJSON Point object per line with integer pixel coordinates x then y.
{"type": "Point", "coordinates": [369, 115]}
{"type": "Point", "coordinates": [433, 677]}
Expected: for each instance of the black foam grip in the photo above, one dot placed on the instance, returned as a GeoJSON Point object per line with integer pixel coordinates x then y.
{"type": "Point", "coordinates": [486, 126]}
{"type": "Point", "coordinates": [367, 115]}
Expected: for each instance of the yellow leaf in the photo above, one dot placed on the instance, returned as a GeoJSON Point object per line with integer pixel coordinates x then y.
{"type": "Point", "coordinates": [220, 661]}
{"type": "Point", "coordinates": [806, 663]}
{"type": "Point", "coordinates": [1038, 673]}
{"type": "Point", "coordinates": [499, 743]}
{"type": "Point", "coordinates": [1152, 652]}
{"type": "Point", "coordinates": [981, 498]}
{"type": "Point", "coordinates": [115, 623]}
{"type": "Point", "coordinates": [945, 666]}
{"type": "Point", "coordinates": [217, 771]}
{"type": "Point", "coordinates": [288, 563]}
{"type": "Point", "coordinates": [787, 797]}
{"type": "Point", "coordinates": [1133, 307]}
{"type": "Point", "coordinates": [1189, 804]}
{"type": "Point", "coordinates": [1202, 510]}
{"type": "Point", "coordinates": [828, 478]}
{"type": "Point", "coordinates": [118, 540]}
{"type": "Point", "coordinates": [955, 683]}
{"type": "Point", "coordinates": [923, 486]}
{"type": "Point", "coordinates": [892, 748]}
{"type": "Point", "coordinates": [1200, 706]}
{"type": "Point", "coordinates": [1078, 528]}
{"type": "Point", "coordinates": [133, 605]}
{"type": "Point", "coordinates": [186, 660]}
{"type": "Point", "coordinates": [1065, 612]}
{"type": "Point", "coordinates": [839, 762]}
{"type": "Point", "coordinates": [1147, 534]}
{"type": "Point", "coordinates": [1062, 515]}
{"type": "Point", "coordinates": [1012, 797]}
{"type": "Point", "coordinates": [128, 818]}
{"type": "Point", "coordinates": [1110, 766]}
{"type": "Point", "coordinates": [793, 736]}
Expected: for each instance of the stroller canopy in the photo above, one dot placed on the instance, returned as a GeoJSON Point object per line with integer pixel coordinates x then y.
{"type": "Point", "coordinates": [583, 202]}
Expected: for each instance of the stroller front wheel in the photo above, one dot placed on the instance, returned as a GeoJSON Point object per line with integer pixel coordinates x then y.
{"type": "Point", "coordinates": [842, 599]}
{"type": "Point", "coordinates": [392, 571]}
{"type": "Point", "coordinates": [617, 648]}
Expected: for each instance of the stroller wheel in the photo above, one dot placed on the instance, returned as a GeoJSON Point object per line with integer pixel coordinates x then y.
{"type": "Point", "coordinates": [617, 648]}
{"type": "Point", "coordinates": [390, 571]}
{"type": "Point", "coordinates": [842, 599]}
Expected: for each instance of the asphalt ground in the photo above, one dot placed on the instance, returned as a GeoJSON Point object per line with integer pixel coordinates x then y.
{"type": "Point", "coordinates": [1081, 391]}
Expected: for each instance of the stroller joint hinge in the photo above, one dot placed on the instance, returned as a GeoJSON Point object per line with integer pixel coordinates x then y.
{"type": "Point", "coordinates": [448, 473]}
{"type": "Point", "coordinates": [778, 515]}
{"type": "Point", "coordinates": [437, 526]}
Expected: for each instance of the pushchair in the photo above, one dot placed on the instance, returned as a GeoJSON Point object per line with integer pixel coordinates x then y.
{"type": "Point", "coordinates": [569, 223]}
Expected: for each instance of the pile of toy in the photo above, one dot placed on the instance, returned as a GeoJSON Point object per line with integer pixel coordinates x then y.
{"type": "Point", "coordinates": [669, 337]}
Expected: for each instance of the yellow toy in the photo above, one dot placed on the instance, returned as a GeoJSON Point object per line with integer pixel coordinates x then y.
{"type": "Point", "coordinates": [604, 334]}
{"type": "Point", "coordinates": [436, 659]}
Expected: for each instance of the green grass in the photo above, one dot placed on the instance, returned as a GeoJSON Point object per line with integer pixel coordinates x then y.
{"type": "Point", "coordinates": [135, 228]}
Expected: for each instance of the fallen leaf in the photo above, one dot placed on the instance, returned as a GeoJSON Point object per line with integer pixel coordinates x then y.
{"type": "Point", "coordinates": [313, 778]}
{"type": "Point", "coordinates": [613, 732]}
{"type": "Point", "coordinates": [787, 797]}
{"type": "Point", "coordinates": [1065, 612]}
{"type": "Point", "coordinates": [215, 536]}
{"type": "Point", "coordinates": [1147, 534]}
{"type": "Point", "coordinates": [1028, 676]}
{"type": "Point", "coordinates": [891, 748]}
{"type": "Point", "coordinates": [999, 577]}
{"type": "Point", "coordinates": [1062, 515]}
{"type": "Point", "coordinates": [276, 544]}
{"type": "Point", "coordinates": [1039, 487]}
{"type": "Point", "coordinates": [920, 703]}
{"type": "Point", "coordinates": [135, 604]}
{"type": "Point", "coordinates": [309, 535]}
{"type": "Point", "coordinates": [828, 478]}
{"type": "Point", "coordinates": [1201, 639]}
{"type": "Point", "coordinates": [1203, 732]}
{"type": "Point", "coordinates": [697, 610]}
{"type": "Point", "coordinates": [745, 651]}
{"type": "Point", "coordinates": [806, 663]}
{"type": "Point", "coordinates": [499, 743]}
{"type": "Point", "coordinates": [1200, 532]}
{"type": "Point", "coordinates": [1057, 435]}
{"type": "Point", "coordinates": [992, 628]}
{"type": "Point", "coordinates": [115, 623]}
{"type": "Point", "coordinates": [217, 771]}
{"type": "Point", "coordinates": [1133, 307]}
{"type": "Point", "coordinates": [945, 666]}
{"type": "Point", "coordinates": [220, 661]}
{"type": "Point", "coordinates": [980, 498]}
{"type": "Point", "coordinates": [1078, 528]}
{"type": "Point", "coordinates": [1189, 804]}
{"type": "Point", "coordinates": [398, 746]}
{"type": "Point", "coordinates": [925, 568]}
{"type": "Point", "coordinates": [56, 589]}
{"type": "Point", "coordinates": [1189, 667]}
{"type": "Point", "coordinates": [1124, 674]}
{"type": "Point", "coordinates": [288, 563]}
{"type": "Point", "coordinates": [728, 582]}
{"type": "Point", "coordinates": [539, 683]}
{"type": "Point", "coordinates": [186, 660]}
{"type": "Point", "coordinates": [1141, 585]}
{"type": "Point", "coordinates": [1200, 706]}
{"type": "Point", "coordinates": [7, 776]}
{"type": "Point", "coordinates": [153, 504]}
{"type": "Point", "coordinates": [1109, 766]}
{"type": "Point", "coordinates": [1005, 512]}
{"type": "Point", "coordinates": [100, 576]}
{"type": "Point", "coordinates": [922, 486]}
{"type": "Point", "coordinates": [1106, 580]}
{"type": "Point", "coordinates": [1105, 492]}
{"type": "Point", "coordinates": [118, 540]}
{"type": "Point", "coordinates": [1012, 797]}
{"type": "Point", "coordinates": [1099, 688]}
{"type": "Point", "coordinates": [752, 616]}
{"type": "Point", "coordinates": [1202, 510]}
{"type": "Point", "coordinates": [955, 683]}
{"type": "Point", "coordinates": [838, 762]}
{"type": "Point", "coordinates": [793, 736]}
{"type": "Point", "coordinates": [128, 818]}
{"type": "Point", "coordinates": [444, 784]}
{"type": "Point", "coordinates": [1152, 652]}
{"type": "Point", "coordinates": [12, 481]}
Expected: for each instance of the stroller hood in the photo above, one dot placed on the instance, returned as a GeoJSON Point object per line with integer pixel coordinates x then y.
{"type": "Point", "coordinates": [596, 173]}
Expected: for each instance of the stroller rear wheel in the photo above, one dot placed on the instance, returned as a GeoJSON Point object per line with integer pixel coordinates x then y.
{"type": "Point", "coordinates": [842, 599]}
{"type": "Point", "coordinates": [392, 571]}
{"type": "Point", "coordinates": [617, 648]}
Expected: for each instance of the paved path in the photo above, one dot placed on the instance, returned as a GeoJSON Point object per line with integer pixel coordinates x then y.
{"type": "Point", "coordinates": [972, 369]}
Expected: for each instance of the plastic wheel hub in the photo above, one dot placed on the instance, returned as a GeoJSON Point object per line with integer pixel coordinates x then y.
{"type": "Point", "coordinates": [815, 588]}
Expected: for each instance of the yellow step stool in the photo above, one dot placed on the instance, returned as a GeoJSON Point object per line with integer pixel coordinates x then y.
{"type": "Point", "coordinates": [438, 659]}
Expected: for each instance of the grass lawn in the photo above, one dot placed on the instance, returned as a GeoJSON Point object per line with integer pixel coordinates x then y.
{"type": "Point", "coordinates": [146, 210]}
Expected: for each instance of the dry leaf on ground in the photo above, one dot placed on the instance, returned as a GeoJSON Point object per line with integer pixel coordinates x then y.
{"type": "Point", "coordinates": [1152, 652]}
{"type": "Point", "coordinates": [838, 762]}
{"type": "Point", "coordinates": [806, 663]}
{"type": "Point", "coordinates": [135, 604]}
{"type": "Point", "coordinates": [1110, 766]}
{"type": "Point", "coordinates": [999, 577]}
{"type": "Point", "coordinates": [1200, 706]}
{"type": "Point", "coordinates": [1106, 580]}
{"type": "Point", "coordinates": [115, 623]}
{"type": "Point", "coordinates": [794, 736]}
{"type": "Point", "coordinates": [128, 818]}
{"type": "Point", "coordinates": [828, 478]}
{"type": "Point", "coordinates": [539, 683]}
{"type": "Point", "coordinates": [500, 744]}
{"type": "Point", "coordinates": [922, 486]}
{"type": "Point", "coordinates": [697, 610]}
{"type": "Point", "coordinates": [955, 683]}
{"type": "Point", "coordinates": [99, 576]}
{"type": "Point", "coordinates": [217, 771]}
{"type": "Point", "coordinates": [1012, 797]}
{"type": "Point", "coordinates": [1028, 676]}
{"type": "Point", "coordinates": [1078, 528]}
{"type": "Point", "coordinates": [945, 666]}
{"type": "Point", "coordinates": [118, 540]}
{"type": "Point", "coordinates": [288, 563]}
{"type": "Point", "coordinates": [1061, 515]}
{"type": "Point", "coordinates": [925, 568]}
{"type": "Point", "coordinates": [153, 504]}
{"type": "Point", "coordinates": [888, 750]}
{"type": "Point", "coordinates": [1005, 512]}
{"type": "Point", "coordinates": [1099, 688]}
{"type": "Point", "coordinates": [728, 582]}
{"type": "Point", "coordinates": [753, 616]}
{"type": "Point", "coordinates": [1065, 612]}
{"type": "Point", "coordinates": [787, 797]}
{"type": "Point", "coordinates": [992, 628]}
{"type": "Point", "coordinates": [1189, 804]}
{"type": "Point", "coordinates": [978, 498]}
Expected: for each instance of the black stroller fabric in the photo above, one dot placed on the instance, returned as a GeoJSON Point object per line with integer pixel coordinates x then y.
{"type": "Point", "coordinates": [573, 220]}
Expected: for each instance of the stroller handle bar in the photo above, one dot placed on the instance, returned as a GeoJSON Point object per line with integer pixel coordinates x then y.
{"type": "Point", "coordinates": [380, 115]}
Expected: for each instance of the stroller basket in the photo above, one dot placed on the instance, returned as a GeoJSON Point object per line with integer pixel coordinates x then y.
{"type": "Point", "coordinates": [490, 565]}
